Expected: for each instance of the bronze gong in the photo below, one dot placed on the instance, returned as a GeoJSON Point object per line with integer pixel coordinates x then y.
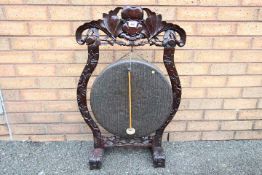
{"type": "Point", "coordinates": [151, 98]}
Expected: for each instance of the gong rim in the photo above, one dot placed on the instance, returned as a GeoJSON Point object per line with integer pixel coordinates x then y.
{"type": "Point", "coordinates": [101, 113]}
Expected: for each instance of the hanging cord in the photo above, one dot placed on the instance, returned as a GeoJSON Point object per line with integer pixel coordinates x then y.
{"type": "Point", "coordinates": [5, 116]}
{"type": "Point", "coordinates": [131, 53]}
{"type": "Point", "coordinates": [130, 59]}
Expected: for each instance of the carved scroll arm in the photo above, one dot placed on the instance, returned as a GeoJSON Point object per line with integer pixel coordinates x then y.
{"type": "Point", "coordinates": [93, 56]}
{"type": "Point", "coordinates": [169, 42]}
{"type": "Point", "coordinates": [91, 36]}
{"type": "Point", "coordinates": [170, 39]}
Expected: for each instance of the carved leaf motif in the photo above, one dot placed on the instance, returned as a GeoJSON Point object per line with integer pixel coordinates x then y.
{"type": "Point", "coordinates": [111, 22]}
{"type": "Point", "coordinates": [153, 23]}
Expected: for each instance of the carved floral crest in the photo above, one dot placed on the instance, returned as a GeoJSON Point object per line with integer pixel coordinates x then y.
{"type": "Point", "coordinates": [133, 28]}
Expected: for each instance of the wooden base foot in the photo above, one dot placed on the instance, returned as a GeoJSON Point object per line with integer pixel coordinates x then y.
{"type": "Point", "coordinates": [159, 157]}
{"type": "Point", "coordinates": [95, 160]}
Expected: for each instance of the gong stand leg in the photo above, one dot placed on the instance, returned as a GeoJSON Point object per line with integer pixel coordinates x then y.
{"type": "Point", "coordinates": [158, 154]}
{"type": "Point", "coordinates": [95, 159]}
{"type": "Point", "coordinates": [159, 158]}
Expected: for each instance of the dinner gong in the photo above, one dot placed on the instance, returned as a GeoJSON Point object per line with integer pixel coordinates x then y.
{"type": "Point", "coordinates": [131, 98]}
{"type": "Point", "coordinates": [131, 94]}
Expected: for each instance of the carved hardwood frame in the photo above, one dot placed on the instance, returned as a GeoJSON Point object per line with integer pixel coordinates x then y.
{"type": "Point", "coordinates": [132, 29]}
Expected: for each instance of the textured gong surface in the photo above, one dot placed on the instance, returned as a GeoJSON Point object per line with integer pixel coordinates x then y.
{"type": "Point", "coordinates": [151, 98]}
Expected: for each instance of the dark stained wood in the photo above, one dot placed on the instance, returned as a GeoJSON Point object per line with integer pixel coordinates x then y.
{"type": "Point", "coordinates": [123, 142]}
{"type": "Point", "coordinates": [95, 159]}
{"type": "Point", "coordinates": [148, 29]}
{"type": "Point", "coordinates": [132, 29]}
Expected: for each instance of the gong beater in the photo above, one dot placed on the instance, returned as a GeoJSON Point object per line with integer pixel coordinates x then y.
{"type": "Point", "coordinates": [151, 98]}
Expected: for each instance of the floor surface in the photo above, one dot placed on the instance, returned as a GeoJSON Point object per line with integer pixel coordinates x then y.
{"type": "Point", "coordinates": [182, 158]}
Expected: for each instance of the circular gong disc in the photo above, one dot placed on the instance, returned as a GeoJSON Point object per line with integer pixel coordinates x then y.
{"type": "Point", "coordinates": [151, 98]}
